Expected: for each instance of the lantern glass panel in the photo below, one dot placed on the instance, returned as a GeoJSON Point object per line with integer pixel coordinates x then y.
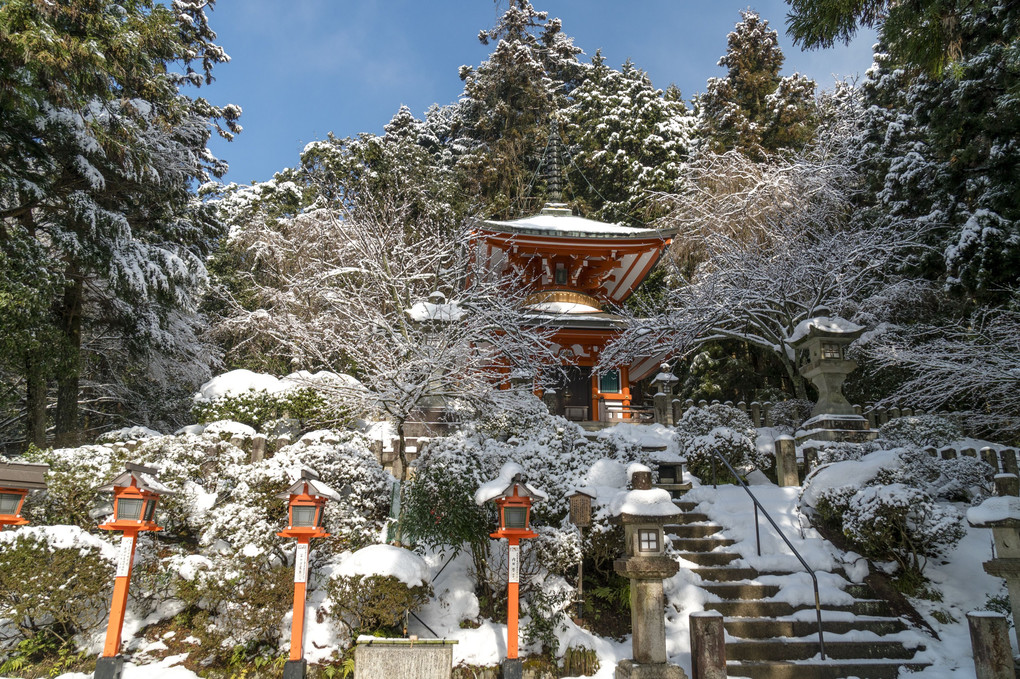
{"type": "Point", "coordinates": [150, 509]}
{"type": "Point", "coordinates": [303, 516]}
{"type": "Point", "coordinates": [129, 509]}
{"type": "Point", "coordinates": [831, 351]}
{"type": "Point", "coordinates": [648, 540]}
{"type": "Point", "coordinates": [9, 503]}
{"type": "Point", "coordinates": [515, 517]}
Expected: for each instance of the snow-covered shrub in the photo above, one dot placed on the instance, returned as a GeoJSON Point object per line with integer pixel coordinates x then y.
{"type": "Point", "coordinates": [839, 451]}
{"type": "Point", "coordinates": [723, 429]}
{"type": "Point", "coordinates": [54, 583]}
{"type": "Point", "coordinates": [258, 409]}
{"type": "Point", "coordinates": [369, 603]}
{"type": "Point", "coordinates": [544, 618]}
{"type": "Point", "coordinates": [512, 414]}
{"type": "Point", "coordinates": [557, 549]}
{"type": "Point", "coordinates": [249, 513]}
{"type": "Point", "coordinates": [832, 503]}
{"type": "Point", "coordinates": [962, 479]}
{"type": "Point", "coordinates": [234, 599]}
{"type": "Point", "coordinates": [74, 475]}
{"type": "Point", "coordinates": [787, 415]}
{"type": "Point", "coordinates": [920, 431]}
{"type": "Point", "coordinates": [902, 523]}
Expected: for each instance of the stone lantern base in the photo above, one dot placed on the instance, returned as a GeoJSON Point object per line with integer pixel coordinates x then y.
{"type": "Point", "coordinates": [849, 428]}
{"type": "Point", "coordinates": [628, 669]}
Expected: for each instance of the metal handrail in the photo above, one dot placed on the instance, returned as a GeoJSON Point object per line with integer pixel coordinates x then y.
{"type": "Point", "coordinates": [757, 506]}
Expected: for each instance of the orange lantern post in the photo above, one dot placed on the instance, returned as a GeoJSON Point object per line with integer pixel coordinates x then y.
{"type": "Point", "coordinates": [513, 498]}
{"type": "Point", "coordinates": [17, 480]}
{"type": "Point", "coordinates": [135, 495]}
{"type": "Point", "coordinates": [306, 502]}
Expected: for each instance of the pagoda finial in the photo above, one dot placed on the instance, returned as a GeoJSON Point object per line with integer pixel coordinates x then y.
{"type": "Point", "coordinates": [554, 175]}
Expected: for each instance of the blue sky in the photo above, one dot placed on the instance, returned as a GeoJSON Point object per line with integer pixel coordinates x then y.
{"type": "Point", "coordinates": [303, 68]}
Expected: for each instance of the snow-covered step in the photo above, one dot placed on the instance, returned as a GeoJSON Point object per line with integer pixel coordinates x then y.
{"type": "Point", "coordinates": [741, 590]}
{"type": "Point", "coordinates": [693, 530]}
{"type": "Point", "coordinates": [725, 573]}
{"type": "Point", "coordinates": [762, 628]}
{"type": "Point", "coordinates": [701, 544]}
{"type": "Point", "coordinates": [768, 608]}
{"type": "Point", "coordinates": [803, 649]}
{"type": "Point", "coordinates": [828, 669]}
{"type": "Point", "coordinates": [708, 558]}
{"type": "Point", "coordinates": [692, 517]}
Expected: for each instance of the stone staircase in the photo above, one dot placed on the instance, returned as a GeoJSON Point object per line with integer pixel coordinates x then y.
{"type": "Point", "coordinates": [768, 638]}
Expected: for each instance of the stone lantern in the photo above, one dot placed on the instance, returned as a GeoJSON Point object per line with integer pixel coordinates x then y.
{"type": "Point", "coordinates": [665, 380]}
{"type": "Point", "coordinates": [1002, 515]}
{"type": "Point", "coordinates": [821, 344]}
{"type": "Point", "coordinates": [513, 497]}
{"type": "Point", "coordinates": [644, 511]}
{"type": "Point", "coordinates": [17, 480]}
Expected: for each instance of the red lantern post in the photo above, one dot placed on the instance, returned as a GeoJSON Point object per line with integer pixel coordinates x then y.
{"type": "Point", "coordinates": [135, 495]}
{"type": "Point", "coordinates": [17, 480]}
{"type": "Point", "coordinates": [306, 502]}
{"type": "Point", "coordinates": [513, 498]}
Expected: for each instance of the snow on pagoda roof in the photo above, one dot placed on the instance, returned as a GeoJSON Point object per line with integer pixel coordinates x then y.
{"type": "Point", "coordinates": [555, 220]}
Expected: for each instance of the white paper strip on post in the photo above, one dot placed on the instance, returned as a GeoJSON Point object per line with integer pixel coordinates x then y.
{"type": "Point", "coordinates": [515, 563]}
{"type": "Point", "coordinates": [301, 563]}
{"type": "Point", "coordinates": [124, 556]}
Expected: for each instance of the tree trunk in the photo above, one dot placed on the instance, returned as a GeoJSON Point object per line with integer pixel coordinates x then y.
{"type": "Point", "coordinates": [35, 403]}
{"type": "Point", "coordinates": [796, 379]}
{"type": "Point", "coordinates": [66, 420]}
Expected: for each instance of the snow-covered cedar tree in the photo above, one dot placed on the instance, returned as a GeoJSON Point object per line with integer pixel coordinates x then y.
{"type": "Point", "coordinates": [233, 600]}
{"type": "Point", "coordinates": [760, 248]}
{"type": "Point", "coordinates": [74, 475]}
{"type": "Point", "coordinates": [102, 149]}
{"type": "Point", "coordinates": [54, 589]}
{"type": "Point", "coordinates": [902, 523]}
{"type": "Point", "coordinates": [627, 139]}
{"type": "Point", "coordinates": [248, 514]}
{"type": "Point", "coordinates": [718, 428]}
{"type": "Point", "coordinates": [788, 415]}
{"type": "Point", "coordinates": [366, 604]}
{"type": "Point", "coordinates": [920, 431]}
{"type": "Point", "coordinates": [506, 106]}
{"type": "Point", "coordinates": [753, 109]}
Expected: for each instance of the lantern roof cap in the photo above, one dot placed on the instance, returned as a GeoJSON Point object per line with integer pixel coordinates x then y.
{"type": "Point", "coordinates": [315, 487]}
{"type": "Point", "coordinates": [23, 475]}
{"type": "Point", "coordinates": [824, 326]}
{"type": "Point", "coordinates": [581, 491]}
{"type": "Point", "coordinates": [138, 475]}
{"type": "Point", "coordinates": [510, 475]}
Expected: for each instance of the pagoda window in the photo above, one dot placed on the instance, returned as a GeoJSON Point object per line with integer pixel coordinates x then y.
{"type": "Point", "coordinates": [609, 382]}
{"type": "Point", "coordinates": [561, 273]}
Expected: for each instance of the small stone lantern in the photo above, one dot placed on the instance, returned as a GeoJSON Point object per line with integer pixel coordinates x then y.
{"type": "Point", "coordinates": [136, 493]}
{"type": "Point", "coordinates": [513, 498]}
{"type": "Point", "coordinates": [1002, 515]}
{"type": "Point", "coordinates": [306, 503]}
{"type": "Point", "coordinates": [644, 511]}
{"type": "Point", "coordinates": [17, 480]}
{"type": "Point", "coordinates": [821, 344]}
{"type": "Point", "coordinates": [665, 380]}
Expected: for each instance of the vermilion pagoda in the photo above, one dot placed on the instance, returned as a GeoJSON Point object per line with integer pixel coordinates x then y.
{"type": "Point", "coordinates": [578, 268]}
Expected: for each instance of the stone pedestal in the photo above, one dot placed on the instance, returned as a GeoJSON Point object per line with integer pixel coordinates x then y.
{"type": "Point", "coordinates": [989, 637]}
{"type": "Point", "coordinates": [851, 428]}
{"type": "Point", "coordinates": [628, 669]}
{"type": "Point", "coordinates": [394, 658]}
{"type": "Point", "coordinates": [1002, 515]}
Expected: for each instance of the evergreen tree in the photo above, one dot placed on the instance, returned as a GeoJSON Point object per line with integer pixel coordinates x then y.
{"type": "Point", "coordinates": [627, 139]}
{"type": "Point", "coordinates": [507, 105]}
{"type": "Point", "coordinates": [99, 152]}
{"type": "Point", "coordinates": [754, 109]}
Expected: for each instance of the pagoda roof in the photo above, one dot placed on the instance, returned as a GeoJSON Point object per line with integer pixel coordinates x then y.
{"type": "Point", "coordinates": [558, 222]}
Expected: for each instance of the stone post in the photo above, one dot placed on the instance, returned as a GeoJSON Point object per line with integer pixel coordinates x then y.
{"type": "Point", "coordinates": [810, 460]}
{"type": "Point", "coordinates": [708, 647]}
{"type": "Point", "coordinates": [786, 461]}
{"type": "Point", "coordinates": [282, 441]}
{"type": "Point", "coordinates": [1009, 464]}
{"type": "Point", "coordinates": [663, 408]}
{"type": "Point", "coordinates": [258, 448]}
{"type": "Point", "coordinates": [756, 413]}
{"type": "Point", "coordinates": [948, 453]}
{"type": "Point", "coordinates": [989, 637]}
{"type": "Point", "coordinates": [1007, 485]}
{"type": "Point", "coordinates": [989, 456]}
{"type": "Point", "coordinates": [1002, 517]}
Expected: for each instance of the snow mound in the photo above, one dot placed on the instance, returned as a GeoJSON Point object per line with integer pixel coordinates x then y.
{"type": "Point", "coordinates": [129, 434]}
{"type": "Point", "coordinates": [498, 486]}
{"type": "Point", "coordinates": [386, 560]}
{"type": "Point", "coordinates": [229, 427]}
{"type": "Point", "coordinates": [652, 502]}
{"type": "Point", "coordinates": [993, 510]}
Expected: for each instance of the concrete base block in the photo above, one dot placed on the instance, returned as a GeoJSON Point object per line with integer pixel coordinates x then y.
{"type": "Point", "coordinates": [109, 668]}
{"type": "Point", "coordinates": [511, 669]}
{"type": "Point", "coordinates": [628, 669]}
{"type": "Point", "coordinates": [295, 669]}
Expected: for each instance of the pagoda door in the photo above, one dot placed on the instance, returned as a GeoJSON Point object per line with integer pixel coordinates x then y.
{"type": "Point", "coordinates": [577, 393]}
